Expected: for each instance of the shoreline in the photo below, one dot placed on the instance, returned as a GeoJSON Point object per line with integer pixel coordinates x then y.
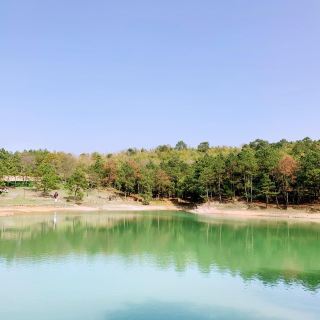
{"type": "Point", "coordinates": [204, 210]}
{"type": "Point", "coordinates": [266, 214]}
{"type": "Point", "coordinates": [30, 209]}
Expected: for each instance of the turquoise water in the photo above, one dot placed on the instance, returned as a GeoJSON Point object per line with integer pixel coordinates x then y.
{"type": "Point", "coordinates": [157, 266]}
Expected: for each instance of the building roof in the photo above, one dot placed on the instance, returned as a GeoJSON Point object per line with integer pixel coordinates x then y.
{"type": "Point", "coordinates": [18, 178]}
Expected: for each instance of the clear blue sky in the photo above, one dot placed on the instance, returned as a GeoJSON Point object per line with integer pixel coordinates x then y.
{"type": "Point", "coordinates": [99, 75]}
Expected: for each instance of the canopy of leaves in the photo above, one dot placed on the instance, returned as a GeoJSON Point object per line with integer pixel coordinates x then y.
{"type": "Point", "coordinates": [282, 172]}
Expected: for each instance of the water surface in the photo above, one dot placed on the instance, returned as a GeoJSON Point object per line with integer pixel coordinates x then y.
{"type": "Point", "coordinates": [157, 265]}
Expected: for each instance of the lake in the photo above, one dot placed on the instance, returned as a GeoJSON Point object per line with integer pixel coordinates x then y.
{"type": "Point", "coordinates": [157, 265]}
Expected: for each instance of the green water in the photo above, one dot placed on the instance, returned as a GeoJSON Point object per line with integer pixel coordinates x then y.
{"type": "Point", "coordinates": [157, 266]}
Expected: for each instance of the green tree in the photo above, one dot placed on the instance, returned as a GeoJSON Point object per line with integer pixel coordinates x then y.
{"type": "Point", "coordinates": [248, 167]}
{"type": "Point", "coordinates": [308, 184]}
{"type": "Point", "coordinates": [232, 174]}
{"type": "Point", "coordinates": [267, 188]}
{"type": "Point", "coordinates": [203, 146]}
{"type": "Point", "coordinates": [77, 183]}
{"type": "Point", "coordinates": [313, 182]}
{"type": "Point", "coordinates": [47, 177]}
{"type": "Point", "coordinates": [14, 164]}
{"type": "Point", "coordinates": [175, 169]}
{"type": "Point", "coordinates": [218, 164]}
{"type": "Point", "coordinates": [4, 163]}
{"type": "Point", "coordinates": [2, 173]}
{"type": "Point", "coordinates": [164, 148]}
{"type": "Point", "coordinates": [147, 183]}
{"type": "Point", "coordinates": [96, 171]}
{"type": "Point", "coordinates": [126, 177]}
{"type": "Point", "coordinates": [203, 177]}
{"type": "Point", "coordinates": [181, 145]}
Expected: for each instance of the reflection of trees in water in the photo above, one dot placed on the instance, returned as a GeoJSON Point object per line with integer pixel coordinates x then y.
{"type": "Point", "coordinates": [267, 251]}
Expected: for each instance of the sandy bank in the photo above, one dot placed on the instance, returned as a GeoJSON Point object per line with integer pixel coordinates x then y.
{"type": "Point", "coordinates": [223, 211]}
{"type": "Point", "coordinates": [206, 210]}
{"type": "Point", "coordinates": [16, 210]}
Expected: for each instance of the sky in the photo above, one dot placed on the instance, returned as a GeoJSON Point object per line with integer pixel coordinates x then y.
{"type": "Point", "coordinates": [99, 75]}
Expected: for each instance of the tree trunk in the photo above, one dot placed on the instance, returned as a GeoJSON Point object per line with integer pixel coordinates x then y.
{"type": "Point", "coordinates": [245, 188]}
{"type": "Point", "coordinates": [267, 201]}
{"type": "Point", "coordinates": [251, 189]}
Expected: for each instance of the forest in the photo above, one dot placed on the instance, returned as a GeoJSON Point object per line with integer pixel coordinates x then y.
{"type": "Point", "coordinates": [283, 173]}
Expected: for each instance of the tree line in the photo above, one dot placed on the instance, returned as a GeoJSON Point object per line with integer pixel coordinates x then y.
{"type": "Point", "coordinates": [283, 173]}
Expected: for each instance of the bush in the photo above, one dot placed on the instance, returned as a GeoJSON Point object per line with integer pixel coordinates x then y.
{"type": "Point", "coordinates": [146, 198]}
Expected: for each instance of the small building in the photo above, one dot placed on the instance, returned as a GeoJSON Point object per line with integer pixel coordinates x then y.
{"type": "Point", "coordinates": [18, 181]}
